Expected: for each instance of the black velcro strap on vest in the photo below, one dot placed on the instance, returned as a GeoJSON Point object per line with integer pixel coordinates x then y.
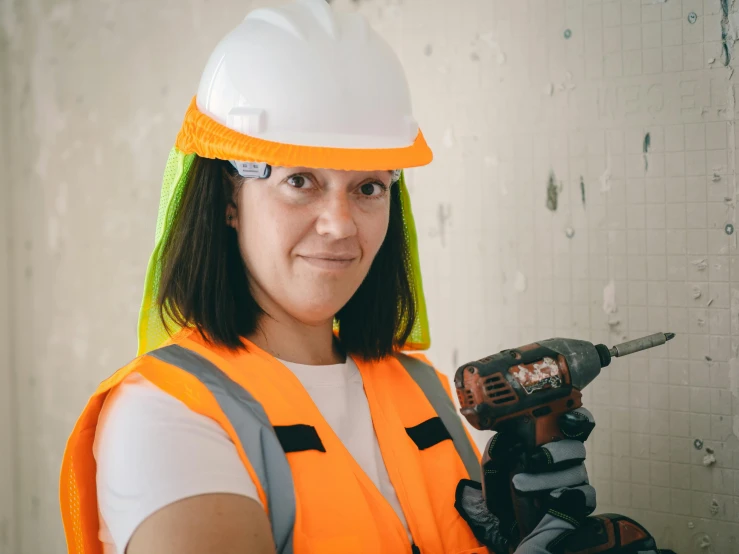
{"type": "Point", "coordinates": [428, 433]}
{"type": "Point", "coordinates": [298, 438]}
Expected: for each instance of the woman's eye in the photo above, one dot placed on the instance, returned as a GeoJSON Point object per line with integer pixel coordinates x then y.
{"type": "Point", "coordinates": [298, 181]}
{"type": "Point", "coordinates": [374, 187]}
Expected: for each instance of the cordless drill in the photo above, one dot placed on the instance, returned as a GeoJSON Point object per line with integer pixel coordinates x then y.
{"type": "Point", "coordinates": [529, 391]}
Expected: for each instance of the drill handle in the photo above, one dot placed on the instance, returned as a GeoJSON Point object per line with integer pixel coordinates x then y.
{"type": "Point", "coordinates": [543, 424]}
{"type": "Point", "coordinates": [531, 430]}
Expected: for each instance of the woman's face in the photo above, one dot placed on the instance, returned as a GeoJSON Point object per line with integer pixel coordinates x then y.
{"type": "Point", "coordinates": [308, 236]}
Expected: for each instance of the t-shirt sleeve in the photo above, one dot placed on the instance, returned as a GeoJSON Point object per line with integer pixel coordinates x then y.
{"type": "Point", "coordinates": [151, 451]}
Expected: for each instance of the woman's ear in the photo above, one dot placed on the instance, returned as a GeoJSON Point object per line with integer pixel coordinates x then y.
{"type": "Point", "coordinates": [232, 216]}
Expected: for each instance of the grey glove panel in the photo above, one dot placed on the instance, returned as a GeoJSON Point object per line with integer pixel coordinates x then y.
{"type": "Point", "coordinates": [474, 505]}
{"type": "Point", "coordinates": [470, 504]}
{"type": "Point", "coordinates": [549, 528]}
{"type": "Point", "coordinates": [534, 482]}
{"type": "Point", "coordinates": [564, 450]}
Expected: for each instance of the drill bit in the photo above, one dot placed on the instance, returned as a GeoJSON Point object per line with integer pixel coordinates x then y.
{"type": "Point", "coordinates": [636, 345]}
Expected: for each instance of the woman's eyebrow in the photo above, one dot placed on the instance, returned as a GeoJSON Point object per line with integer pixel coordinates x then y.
{"type": "Point", "coordinates": [301, 169]}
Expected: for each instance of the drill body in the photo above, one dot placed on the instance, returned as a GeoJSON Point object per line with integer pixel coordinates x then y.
{"type": "Point", "coordinates": [526, 389]}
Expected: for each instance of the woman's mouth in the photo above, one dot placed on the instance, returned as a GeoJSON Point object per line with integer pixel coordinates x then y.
{"type": "Point", "coordinates": [328, 263]}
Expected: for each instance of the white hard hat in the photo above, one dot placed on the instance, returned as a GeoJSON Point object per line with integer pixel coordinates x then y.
{"type": "Point", "coordinates": [301, 74]}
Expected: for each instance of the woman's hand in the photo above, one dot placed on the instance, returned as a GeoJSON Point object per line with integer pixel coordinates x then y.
{"type": "Point", "coordinates": [606, 534]}
{"type": "Point", "coordinates": [553, 474]}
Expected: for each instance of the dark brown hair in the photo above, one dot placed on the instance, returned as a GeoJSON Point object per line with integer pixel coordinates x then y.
{"type": "Point", "coordinates": [204, 282]}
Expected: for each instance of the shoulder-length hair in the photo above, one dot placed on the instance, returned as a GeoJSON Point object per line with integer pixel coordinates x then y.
{"type": "Point", "coordinates": [205, 284]}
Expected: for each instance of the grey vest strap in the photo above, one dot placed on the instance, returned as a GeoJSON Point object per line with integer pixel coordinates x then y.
{"type": "Point", "coordinates": [256, 434]}
{"type": "Point", "coordinates": [425, 377]}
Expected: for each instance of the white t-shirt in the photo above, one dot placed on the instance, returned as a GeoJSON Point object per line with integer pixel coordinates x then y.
{"type": "Point", "coordinates": [152, 450]}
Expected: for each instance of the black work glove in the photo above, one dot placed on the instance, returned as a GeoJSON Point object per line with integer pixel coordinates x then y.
{"type": "Point", "coordinates": [554, 474]}
{"type": "Point", "coordinates": [554, 535]}
{"type": "Point", "coordinates": [487, 527]}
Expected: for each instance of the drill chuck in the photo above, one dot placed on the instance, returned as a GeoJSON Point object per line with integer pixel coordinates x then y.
{"type": "Point", "coordinates": [604, 354]}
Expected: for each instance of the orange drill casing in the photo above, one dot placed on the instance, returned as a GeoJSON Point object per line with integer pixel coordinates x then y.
{"type": "Point", "coordinates": [526, 389]}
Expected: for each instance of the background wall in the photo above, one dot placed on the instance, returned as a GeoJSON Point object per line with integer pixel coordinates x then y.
{"type": "Point", "coordinates": [584, 178]}
{"type": "Point", "coordinates": [8, 425]}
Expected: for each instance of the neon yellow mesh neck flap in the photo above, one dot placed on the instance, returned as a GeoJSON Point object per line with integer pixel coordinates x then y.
{"type": "Point", "coordinates": [152, 332]}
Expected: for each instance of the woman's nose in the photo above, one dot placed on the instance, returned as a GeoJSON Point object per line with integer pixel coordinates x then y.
{"type": "Point", "coordinates": [336, 218]}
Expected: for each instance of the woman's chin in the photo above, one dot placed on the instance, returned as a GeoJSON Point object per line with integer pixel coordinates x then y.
{"type": "Point", "coordinates": [317, 315]}
{"type": "Point", "coordinates": [320, 304]}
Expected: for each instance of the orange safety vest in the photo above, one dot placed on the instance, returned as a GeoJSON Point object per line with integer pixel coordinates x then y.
{"type": "Point", "coordinates": [317, 497]}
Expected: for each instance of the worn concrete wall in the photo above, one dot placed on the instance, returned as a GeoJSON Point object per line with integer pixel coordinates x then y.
{"type": "Point", "coordinates": [547, 212]}
{"type": "Point", "coordinates": [8, 425]}
{"type": "Point", "coordinates": [584, 180]}
{"type": "Point", "coordinates": [94, 93]}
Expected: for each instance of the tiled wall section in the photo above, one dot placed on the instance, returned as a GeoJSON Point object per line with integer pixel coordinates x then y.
{"type": "Point", "coordinates": [624, 113]}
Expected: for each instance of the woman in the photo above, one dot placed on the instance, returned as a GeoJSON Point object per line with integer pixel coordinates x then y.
{"type": "Point", "coordinates": [256, 263]}
{"type": "Point", "coordinates": [270, 408]}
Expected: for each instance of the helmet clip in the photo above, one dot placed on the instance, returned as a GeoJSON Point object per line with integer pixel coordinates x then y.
{"type": "Point", "coordinates": [258, 170]}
